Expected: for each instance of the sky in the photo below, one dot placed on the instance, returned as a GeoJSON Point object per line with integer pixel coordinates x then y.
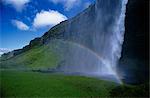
{"type": "Point", "coordinates": [24, 20]}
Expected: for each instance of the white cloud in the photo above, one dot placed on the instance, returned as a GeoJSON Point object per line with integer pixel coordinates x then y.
{"type": "Point", "coordinates": [17, 4]}
{"type": "Point", "coordinates": [20, 25]}
{"type": "Point", "coordinates": [48, 18]}
{"type": "Point", "coordinates": [68, 4]}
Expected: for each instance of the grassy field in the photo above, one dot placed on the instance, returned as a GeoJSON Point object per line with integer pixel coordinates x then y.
{"type": "Point", "coordinates": [32, 84]}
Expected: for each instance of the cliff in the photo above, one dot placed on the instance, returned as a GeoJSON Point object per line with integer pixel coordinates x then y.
{"type": "Point", "coordinates": [135, 52]}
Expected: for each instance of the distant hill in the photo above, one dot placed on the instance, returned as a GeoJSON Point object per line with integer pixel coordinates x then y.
{"type": "Point", "coordinates": [3, 50]}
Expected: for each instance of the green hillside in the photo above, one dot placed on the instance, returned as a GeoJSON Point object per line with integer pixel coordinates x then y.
{"type": "Point", "coordinates": [40, 53]}
{"type": "Point", "coordinates": [37, 57]}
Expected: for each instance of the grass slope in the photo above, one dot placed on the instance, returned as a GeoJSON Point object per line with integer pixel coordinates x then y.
{"type": "Point", "coordinates": [37, 57]}
{"type": "Point", "coordinates": [30, 84]}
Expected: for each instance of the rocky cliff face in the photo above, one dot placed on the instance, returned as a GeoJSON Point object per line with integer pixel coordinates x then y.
{"type": "Point", "coordinates": [135, 53]}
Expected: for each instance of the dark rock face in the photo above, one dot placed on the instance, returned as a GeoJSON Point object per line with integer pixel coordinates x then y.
{"type": "Point", "coordinates": [135, 53]}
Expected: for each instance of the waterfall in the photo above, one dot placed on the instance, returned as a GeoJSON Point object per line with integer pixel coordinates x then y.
{"type": "Point", "coordinates": [93, 40]}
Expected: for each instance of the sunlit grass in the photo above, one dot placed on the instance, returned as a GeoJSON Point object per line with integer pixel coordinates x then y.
{"type": "Point", "coordinates": [30, 84]}
{"type": "Point", "coordinates": [37, 57]}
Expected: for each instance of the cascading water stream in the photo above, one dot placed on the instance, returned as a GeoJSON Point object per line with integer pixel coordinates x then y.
{"type": "Point", "coordinates": [93, 40]}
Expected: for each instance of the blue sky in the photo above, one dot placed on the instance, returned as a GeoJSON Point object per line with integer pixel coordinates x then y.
{"type": "Point", "coordinates": [23, 20]}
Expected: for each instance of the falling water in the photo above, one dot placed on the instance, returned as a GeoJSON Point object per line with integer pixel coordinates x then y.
{"type": "Point", "coordinates": [93, 40]}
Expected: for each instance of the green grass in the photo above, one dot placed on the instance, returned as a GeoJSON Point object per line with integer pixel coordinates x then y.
{"type": "Point", "coordinates": [37, 57]}
{"type": "Point", "coordinates": [33, 84]}
{"type": "Point", "coordinates": [30, 84]}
